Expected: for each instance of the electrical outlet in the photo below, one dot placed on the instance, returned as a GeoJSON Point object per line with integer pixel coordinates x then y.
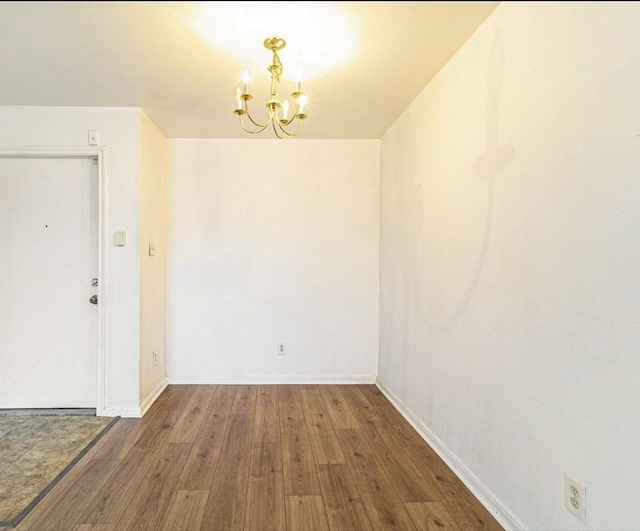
{"type": "Point", "coordinates": [282, 349]}
{"type": "Point", "coordinates": [155, 358]}
{"type": "Point", "coordinates": [575, 497]}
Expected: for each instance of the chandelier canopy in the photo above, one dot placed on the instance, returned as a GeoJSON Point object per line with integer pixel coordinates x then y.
{"type": "Point", "coordinates": [277, 111]}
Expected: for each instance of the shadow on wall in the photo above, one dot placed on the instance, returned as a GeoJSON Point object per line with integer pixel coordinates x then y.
{"type": "Point", "coordinates": [487, 167]}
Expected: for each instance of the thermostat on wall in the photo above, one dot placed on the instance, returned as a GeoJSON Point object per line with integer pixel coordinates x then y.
{"type": "Point", "coordinates": [121, 238]}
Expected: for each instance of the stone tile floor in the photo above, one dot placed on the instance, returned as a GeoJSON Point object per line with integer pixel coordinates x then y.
{"type": "Point", "coordinates": [34, 449]}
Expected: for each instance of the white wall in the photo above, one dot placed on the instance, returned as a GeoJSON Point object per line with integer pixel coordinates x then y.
{"type": "Point", "coordinates": [273, 241]}
{"type": "Point", "coordinates": [153, 269]}
{"type": "Point", "coordinates": [120, 131]}
{"type": "Point", "coordinates": [510, 278]}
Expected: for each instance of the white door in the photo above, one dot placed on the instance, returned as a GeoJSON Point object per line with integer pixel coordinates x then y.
{"type": "Point", "coordinates": [48, 258]}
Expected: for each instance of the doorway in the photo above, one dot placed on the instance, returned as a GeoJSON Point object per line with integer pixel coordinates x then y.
{"type": "Point", "coordinates": [50, 333]}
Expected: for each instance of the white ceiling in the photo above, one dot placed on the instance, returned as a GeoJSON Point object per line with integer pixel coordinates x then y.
{"type": "Point", "coordinates": [364, 61]}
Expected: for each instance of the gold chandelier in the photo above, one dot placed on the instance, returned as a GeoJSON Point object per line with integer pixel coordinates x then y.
{"type": "Point", "coordinates": [278, 111]}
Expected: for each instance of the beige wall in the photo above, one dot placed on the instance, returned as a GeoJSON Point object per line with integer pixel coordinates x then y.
{"type": "Point", "coordinates": [273, 241]}
{"type": "Point", "coordinates": [509, 322]}
{"type": "Point", "coordinates": [153, 269]}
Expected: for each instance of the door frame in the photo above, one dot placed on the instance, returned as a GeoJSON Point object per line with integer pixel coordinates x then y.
{"type": "Point", "coordinates": [100, 154]}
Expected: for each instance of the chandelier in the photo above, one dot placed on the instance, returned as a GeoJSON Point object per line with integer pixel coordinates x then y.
{"type": "Point", "coordinates": [278, 111]}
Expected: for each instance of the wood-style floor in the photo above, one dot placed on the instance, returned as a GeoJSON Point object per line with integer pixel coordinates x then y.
{"type": "Point", "coordinates": [305, 457]}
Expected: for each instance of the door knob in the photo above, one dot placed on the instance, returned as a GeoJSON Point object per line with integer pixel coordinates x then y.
{"type": "Point", "coordinates": [93, 299]}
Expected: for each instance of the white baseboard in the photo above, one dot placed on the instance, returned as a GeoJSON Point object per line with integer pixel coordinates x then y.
{"type": "Point", "coordinates": [153, 395]}
{"type": "Point", "coordinates": [266, 380]}
{"type": "Point", "coordinates": [479, 490]}
{"type": "Point", "coordinates": [135, 412]}
{"type": "Point", "coordinates": [125, 412]}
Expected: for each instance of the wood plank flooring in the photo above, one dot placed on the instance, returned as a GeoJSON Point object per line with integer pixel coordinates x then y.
{"type": "Point", "coordinates": [281, 457]}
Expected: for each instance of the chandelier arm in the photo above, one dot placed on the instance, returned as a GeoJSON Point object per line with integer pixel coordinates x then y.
{"type": "Point", "coordinates": [258, 124]}
{"type": "Point", "coordinates": [259, 130]}
{"type": "Point", "coordinates": [295, 133]}
{"type": "Point", "coordinates": [273, 123]}
{"type": "Point", "coordinates": [285, 123]}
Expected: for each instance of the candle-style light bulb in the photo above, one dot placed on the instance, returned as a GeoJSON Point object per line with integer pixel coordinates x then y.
{"type": "Point", "coordinates": [239, 98]}
{"type": "Point", "coordinates": [285, 109]}
{"type": "Point", "coordinates": [245, 82]}
{"type": "Point", "coordinates": [299, 77]}
{"type": "Point", "coordinates": [302, 101]}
